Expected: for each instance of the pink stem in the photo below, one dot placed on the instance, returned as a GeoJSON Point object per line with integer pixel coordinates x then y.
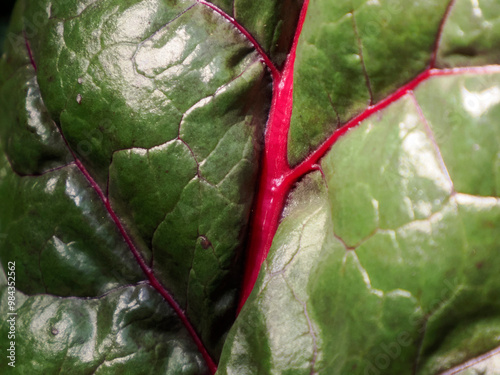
{"type": "Point", "coordinates": [273, 186]}
{"type": "Point", "coordinates": [278, 178]}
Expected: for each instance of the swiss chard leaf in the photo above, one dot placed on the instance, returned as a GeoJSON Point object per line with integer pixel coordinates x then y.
{"type": "Point", "coordinates": [352, 54]}
{"type": "Point", "coordinates": [378, 265]}
{"type": "Point", "coordinates": [130, 155]}
{"type": "Point", "coordinates": [134, 135]}
{"type": "Point", "coordinates": [412, 287]}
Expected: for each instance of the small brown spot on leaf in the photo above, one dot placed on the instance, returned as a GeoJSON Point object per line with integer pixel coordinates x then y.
{"type": "Point", "coordinates": [205, 243]}
{"type": "Point", "coordinates": [479, 265]}
{"type": "Point", "coordinates": [490, 224]}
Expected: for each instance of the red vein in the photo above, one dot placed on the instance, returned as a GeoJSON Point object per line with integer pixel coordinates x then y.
{"type": "Point", "coordinates": [30, 52]}
{"type": "Point", "coordinates": [440, 33]}
{"type": "Point", "coordinates": [278, 178]}
{"type": "Point", "coordinates": [146, 269]}
{"type": "Point", "coordinates": [272, 188]}
{"type": "Point", "coordinates": [267, 60]}
{"type": "Point", "coordinates": [313, 158]}
{"type": "Point", "coordinates": [155, 283]}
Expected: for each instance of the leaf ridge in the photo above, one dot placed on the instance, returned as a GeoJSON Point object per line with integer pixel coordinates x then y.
{"type": "Point", "coordinates": [472, 362]}
{"type": "Point", "coordinates": [310, 325]}
{"type": "Point", "coordinates": [394, 230]}
{"type": "Point", "coordinates": [362, 60]}
{"type": "Point", "coordinates": [430, 135]}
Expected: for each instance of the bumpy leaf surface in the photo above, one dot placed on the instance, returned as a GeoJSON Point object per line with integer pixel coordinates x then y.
{"type": "Point", "coordinates": [134, 135]}
{"type": "Point", "coordinates": [412, 286]}
{"type": "Point", "coordinates": [352, 54]}
{"type": "Point", "coordinates": [385, 261]}
{"type": "Point", "coordinates": [130, 136]}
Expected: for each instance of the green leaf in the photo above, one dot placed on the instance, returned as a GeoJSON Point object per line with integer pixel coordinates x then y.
{"type": "Point", "coordinates": [471, 35]}
{"type": "Point", "coordinates": [134, 135]}
{"type": "Point", "coordinates": [272, 22]}
{"type": "Point", "coordinates": [351, 54]}
{"type": "Point", "coordinates": [388, 263]}
{"type": "Point", "coordinates": [130, 137]}
{"type": "Point", "coordinates": [116, 333]}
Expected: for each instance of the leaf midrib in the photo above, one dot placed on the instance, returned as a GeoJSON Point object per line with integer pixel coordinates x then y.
{"type": "Point", "coordinates": [285, 174]}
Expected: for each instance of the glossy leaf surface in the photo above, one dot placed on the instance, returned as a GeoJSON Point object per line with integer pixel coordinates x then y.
{"type": "Point", "coordinates": [387, 264]}
{"type": "Point", "coordinates": [116, 333]}
{"type": "Point", "coordinates": [272, 23]}
{"type": "Point", "coordinates": [352, 54]}
{"type": "Point", "coordinates": [120, 167]}
{"type": "Point", "coordinates": [150, 149]}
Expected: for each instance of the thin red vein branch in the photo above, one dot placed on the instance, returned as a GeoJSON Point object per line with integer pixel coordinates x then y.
{"type": "Point", "coordinates": [313, 159]}
{"type": "Point", "coordinates": [278, 178]}
{"type": "Point", "coordinates": [154, 282]}
{"type": "Point", "coordinates": [440, 33]}
{"type": "Point", "coordinates": [272, 189]}
{"type": "Point", "coordinates": [361, 57]}
{"type": "Point", "coordinates": [147, 270]}
{"type": "Point", "coordinates": [30, 52]}
{"type": "Point", "coordinates": [267, 60]}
